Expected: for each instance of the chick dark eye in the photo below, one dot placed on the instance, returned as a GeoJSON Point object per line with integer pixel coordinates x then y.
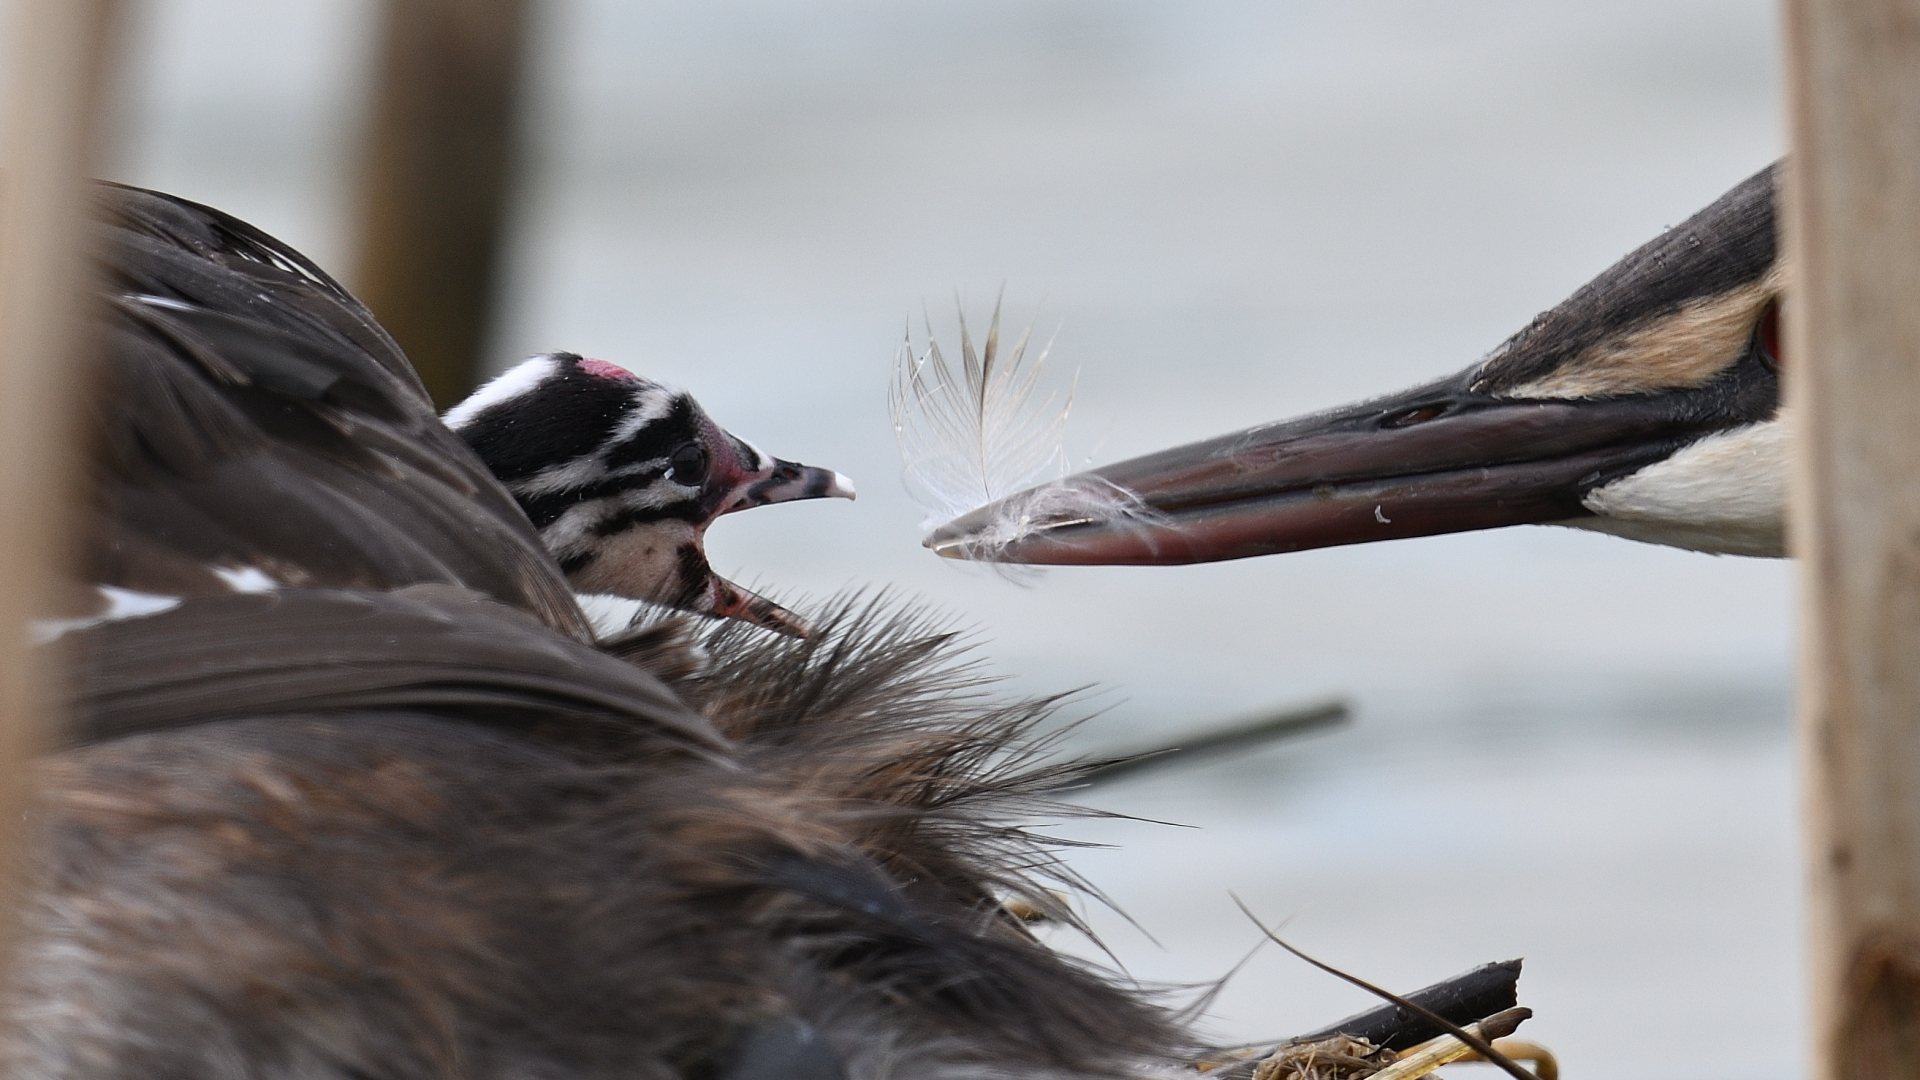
{"type": "Point", "coordinates": [689, 465]}
{"type": "Point", "coordinates": [1768, 335]}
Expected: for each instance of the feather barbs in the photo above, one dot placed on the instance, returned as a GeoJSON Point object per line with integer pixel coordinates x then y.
{"type": "Point", "coordinates": [987, 428]}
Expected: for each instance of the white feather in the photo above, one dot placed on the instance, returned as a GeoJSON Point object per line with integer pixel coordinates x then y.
{"type": "Point", "coordinates": [1074, 500]}
{"type": "Point", "coordinates": [245, 579]}
{"type": "Point", "coordinates": [972, 433]}
{"type": "Point", "coordinates": [977, 432]}
{"type": "Point", "coordinates": [120, 604]}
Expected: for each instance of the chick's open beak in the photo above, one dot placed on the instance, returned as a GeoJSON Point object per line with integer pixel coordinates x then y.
{"type": "Point", "coordinates": [754, 479]}
{"type": "Point", "coordinates": [1436, 459]}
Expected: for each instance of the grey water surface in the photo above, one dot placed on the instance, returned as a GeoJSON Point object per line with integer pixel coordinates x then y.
{"type": "Point", "coordinates": [1567, 747]}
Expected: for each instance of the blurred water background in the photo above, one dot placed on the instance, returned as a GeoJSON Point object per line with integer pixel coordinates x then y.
{"type": "Point", "coordinates": [1567, 747]}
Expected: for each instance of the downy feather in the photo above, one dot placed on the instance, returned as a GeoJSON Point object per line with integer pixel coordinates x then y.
{"type": "Point", "coordinates": [974, 433]}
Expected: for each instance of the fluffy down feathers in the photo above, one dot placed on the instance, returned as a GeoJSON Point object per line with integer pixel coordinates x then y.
{"type": "Point", "coordinates": [348, 793]}
{"type": "Point", "coordinates": [395, 890]}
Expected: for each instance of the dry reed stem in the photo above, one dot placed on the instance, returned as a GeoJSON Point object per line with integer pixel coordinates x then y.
{"type": "Point", "coordinates": [1434, 1053]}
{"type": "Point", "coordinates": [1545, 1065]}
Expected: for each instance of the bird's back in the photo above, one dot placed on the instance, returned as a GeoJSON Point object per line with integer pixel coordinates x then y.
{"type": "Point", "coordinates": [348, 790]}
{"type": "Point", "coordinates": [256, 428]}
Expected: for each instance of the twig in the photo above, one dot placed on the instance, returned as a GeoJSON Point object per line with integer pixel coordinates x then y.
{"type": "Point", "coordinates": [1430, 1056]}
{"type": "Point", "coordinates": [1485, 1048]}
{"type": "Point", "coordinates": [1468, 996]}
{"type": "Point", "coordinates": [1545, 1065]}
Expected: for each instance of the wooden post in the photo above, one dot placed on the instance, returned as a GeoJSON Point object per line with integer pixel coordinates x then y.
{"type": "Point", "coordinates": [57, 52]}
{"type": "Point", "coordinates": [1853, 373]}
{"type": "Point", "coordinates": [436, 179]}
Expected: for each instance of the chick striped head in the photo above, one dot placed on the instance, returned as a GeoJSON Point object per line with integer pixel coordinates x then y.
{"type": "Point", "coordinates": [622, 476]}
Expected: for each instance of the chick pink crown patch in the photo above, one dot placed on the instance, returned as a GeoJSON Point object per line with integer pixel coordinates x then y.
{"type": "Point", "coordinates": [603, 369]}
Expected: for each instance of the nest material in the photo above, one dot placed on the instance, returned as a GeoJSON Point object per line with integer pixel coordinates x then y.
{"type": "Point", "coordinates": [1338, 1058]}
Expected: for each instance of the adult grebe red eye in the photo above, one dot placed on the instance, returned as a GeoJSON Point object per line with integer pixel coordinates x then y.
{"type": "Point", "coordinates": [1418, 415]}
{"type": "Point", "coordinates": [1769, 334]}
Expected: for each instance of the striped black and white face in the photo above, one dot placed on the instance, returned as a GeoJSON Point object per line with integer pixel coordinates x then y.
{"type": "Point", "coordinates": [622, 475]}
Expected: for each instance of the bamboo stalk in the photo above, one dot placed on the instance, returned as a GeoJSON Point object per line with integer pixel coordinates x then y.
{"type": "Point", "coordinates": [56, 64]}
{"type": "Point", "coordinates": [1853, 373]}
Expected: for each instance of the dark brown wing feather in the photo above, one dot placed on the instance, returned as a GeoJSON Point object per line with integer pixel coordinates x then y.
{"type": "Point", "coordinates": [392, 820]}
{"type": "Point", "coordinates": [354, 875]}
{"type": "Point", "coordinates": [253, 414]}
{"type": "Point", "coordinates": [432, 649]}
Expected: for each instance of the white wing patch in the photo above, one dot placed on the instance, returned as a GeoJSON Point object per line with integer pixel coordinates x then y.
{"type": "Point", "coordinates": [121, 604]}
{"type": "Point", "coordinates": [245, 579]}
